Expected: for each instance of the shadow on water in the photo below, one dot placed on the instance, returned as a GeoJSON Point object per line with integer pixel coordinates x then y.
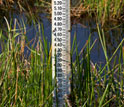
{"type": "Point", "coordinates": [113, 35]}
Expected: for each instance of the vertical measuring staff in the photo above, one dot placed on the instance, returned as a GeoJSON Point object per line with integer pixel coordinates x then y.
{"type": "Point", "coordinates": [60, 50]}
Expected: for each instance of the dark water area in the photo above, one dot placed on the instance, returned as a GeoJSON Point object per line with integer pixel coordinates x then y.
{"type": "Point", "coordinates": [113, 36]}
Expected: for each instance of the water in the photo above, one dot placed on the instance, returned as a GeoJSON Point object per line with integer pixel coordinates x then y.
{"type": "Point", "coordinates": [113, 36]}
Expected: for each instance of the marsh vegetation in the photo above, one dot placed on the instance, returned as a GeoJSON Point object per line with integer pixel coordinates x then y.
{"type": "Point", "coordinates": [25, 65]}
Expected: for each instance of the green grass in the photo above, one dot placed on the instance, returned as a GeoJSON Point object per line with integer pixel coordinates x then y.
{"type": "Point", "coordinates": [26, 79]}
{"type": "Point", "coordinates": [101, 10]}
{"type": "Point", "coordinates": [106, 9]}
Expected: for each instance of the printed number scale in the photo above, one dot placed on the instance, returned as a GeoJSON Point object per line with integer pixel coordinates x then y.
{"type": "Point", "coordinates": [60, 50]}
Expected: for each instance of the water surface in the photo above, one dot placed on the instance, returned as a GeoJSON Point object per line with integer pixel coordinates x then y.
{"type": "Point", "coordinates": [82, 31]}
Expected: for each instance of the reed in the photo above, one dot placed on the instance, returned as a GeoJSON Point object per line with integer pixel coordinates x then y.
{"type": "Point", "coordinates": [101, 10]}
{"type": "Point", "coordinates": [26, 78]}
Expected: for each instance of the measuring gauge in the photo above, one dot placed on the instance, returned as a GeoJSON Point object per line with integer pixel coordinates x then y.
{"type": "Point", "coordinates": [60, 50]}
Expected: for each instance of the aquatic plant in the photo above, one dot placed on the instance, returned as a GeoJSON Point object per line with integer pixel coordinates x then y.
{"type": "Point", "coordinates": [101, 10]}
{"type": "Point", "coordinates": [26, 74]}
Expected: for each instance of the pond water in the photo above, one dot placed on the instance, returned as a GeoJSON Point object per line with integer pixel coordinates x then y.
{"type": "Point", "coordinates": [113, 36]}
